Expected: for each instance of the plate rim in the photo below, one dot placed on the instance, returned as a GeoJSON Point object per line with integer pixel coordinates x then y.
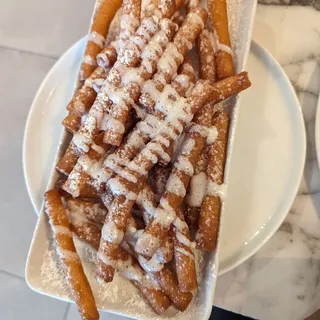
{"type": "Point", "coordinates": [267, 53]}
{"type": "Point", "coordinates": [27, 126]}
{"type": "Point", "coordinates": [302, 160]}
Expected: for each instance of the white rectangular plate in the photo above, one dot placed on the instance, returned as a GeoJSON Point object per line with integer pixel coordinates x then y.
{"type": "Point", "coordinates": [43, 271]}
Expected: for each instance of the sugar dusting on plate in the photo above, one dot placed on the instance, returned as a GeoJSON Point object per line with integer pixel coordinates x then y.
{"type": "Point", "coordinates": [52, 271]}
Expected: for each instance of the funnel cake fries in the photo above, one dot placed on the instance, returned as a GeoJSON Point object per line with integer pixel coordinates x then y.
{"type": "Point", "coordinates": [219, 20]}
{"type": "Point", "coordinates": [82, 101]}
{"type": "Point", "coordinates": [168, 64]}
{"type": "Point", "coordinates": [214, 192]}
{"type": "Point", "coordinates": [135, 141]}
{"type": "Point", "coordinates": [147, 156]}
{"type": "Point", "coordinates": [129, 22]}
{"type": "Point", "coordinates": [206, 237]}
{"type": "Point", "coordinates": [177, 119]}
{"type": "Point", "coordinates": [127, 186]}
{"type": "Point", "coordinates": [76, 277]}
{"type": "Point", "coordinates": [92, 123]}
{"type": "Point", "coordinates": [159, 272]}
{"type": "Point", "coordinates": [97, 36]}
{"type": "Point", "coordinates": [112, 91]}
{"type": "Point", "coordinates": [197, 185]}
{"type": "Point", "coordinates": [86, 95]}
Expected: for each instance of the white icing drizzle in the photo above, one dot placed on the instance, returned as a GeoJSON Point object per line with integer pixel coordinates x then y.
{"type": "Point", "coordinates": [181, 228]}
{"type": "Point", "coordinates": [98, 149]}
{"type": "Point", "coordinates": [83, 138]}
{"type": "Point", "coordinates": [183, 239]}
{"type": "Point", "coordinates": [115, 161]}
{"type": "Point", "coordinates": [158, 149]}
{"type": "Point", "coordinates": [150, 52]}
{"type": "Point", "coordinates": [146, 152]}
{"type": "Point", "coordinates": [136, 168]}
{"type": "Point", "coordinates": [185, 252]}
{"type": "Point", "coordinates": [113, 165]}
{"type": "Point", "coordinates": [130, 271]}
{"type": "Point", "coordinates": [89, 82]}
{"type": "Point", "coordinates": [187, 43]}
{"type": "Point", "coordinates": [115, 125]}
{"type": "Point", "coordinates": [164, 141]}
{"type": "Point", "coordinates": [97, 84]}
{"type": "Point", "coordinates": [140, 112]}
{"type": "Point", "coordinates": [96, 38]}
{"type": "Point", "coordinates": [83, 118]}
{"type": "Point", "coordinates": [136, 140]}
{"type": "Point", "coordinates": [202, 130]}
{"type": "Point", "coordinates": [117, 188]}
{"type": "Point", "coordinates": [68, 255]}
{"type": "Point", "coordinates": [212, 135]}
{"type": "Point", "coordinates": [62, 230]}
{"type": "Point", "coordinates": [111, 233]}
{"type": "Point", "coordinates": [214, 189]}
{"type": "Point", "coordinates": [81, 142]}
{"type": "Point", "coordinates": [164, 97]}
{"type": "Point", "coordinates": [218, 45]}
{"type": "Point", "coordinates": [197, 190]}
{"type": "Point", "coordinates": [89, 60]}
{"type": "Point", "coordinates": [196, 19]}
{"type": "Point", "coordinates": [130, 22]}
{"type": "Point", "coordinates": [119, 96]}
{"type": "Point", "coordinates": [150, 126]}
{"type": "Point", "coordinates": [131, 75]}
{"type": "Point", "coordinates": [139, 42]}
{"type": "Point", "coordinates": [168, 62]}
{"type": "Point", "coordinates": [73, 183]}
{"type": "Point", "coordinates": [78, 213]}
{"type": "Point", "coordinates": [175, 185]}
{"type": "Point", "coordinates": [153, 265]}
{"type": "Point", "coordinates": [151, 90]}
{"type": "Point", "coordinates": [188, 145]}
{"type": "Point", "coordinates": [147, 29]}
{"type": "Point", "coordinates": [183, 80]}
{"type": "Point", "coordinates": [153, 50]}
{"type": "Point", "coordinates": [144, 201]}
{"type": "Point", "coordinates": [183, 164]}
{"type": "Point", "coordinates": [164, 214]}
{"type": "Point", "coordinates": [128, 176]}
{"type": "Point", "coordinates": [133, 273]}
{"type": "Point", "coordinates": [172, 127]}
{"type": "Point", "coordinates": [147, 242]}
{"type": "Point", "coordinates": [171, 133]}
{"type": "Point", "coordinates": [180, 112]}
{"type": "Point", "coordinates": [94, 169]}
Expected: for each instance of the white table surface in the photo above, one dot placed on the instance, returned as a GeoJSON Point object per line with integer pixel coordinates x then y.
{"type": "Point", "coordinates": [280, 282]}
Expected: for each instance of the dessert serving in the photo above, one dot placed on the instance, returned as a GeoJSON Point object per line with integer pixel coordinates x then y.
{"type": "Point", "coordinates": [142, 180]}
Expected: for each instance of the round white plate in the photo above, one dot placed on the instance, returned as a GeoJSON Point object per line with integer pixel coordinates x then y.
{"type": "Point", "coordinates": [267, 161]}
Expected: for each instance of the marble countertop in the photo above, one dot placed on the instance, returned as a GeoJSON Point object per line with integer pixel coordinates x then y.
{"type": "Point", "coordinates": [282, 281]}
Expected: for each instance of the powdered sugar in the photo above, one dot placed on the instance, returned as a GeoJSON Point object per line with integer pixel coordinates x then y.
{"type": "Point", "coordinates": [96, 38]}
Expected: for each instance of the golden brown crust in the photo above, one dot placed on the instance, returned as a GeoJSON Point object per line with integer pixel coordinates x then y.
{"type": "Point", "coordinates": [76, 277]}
